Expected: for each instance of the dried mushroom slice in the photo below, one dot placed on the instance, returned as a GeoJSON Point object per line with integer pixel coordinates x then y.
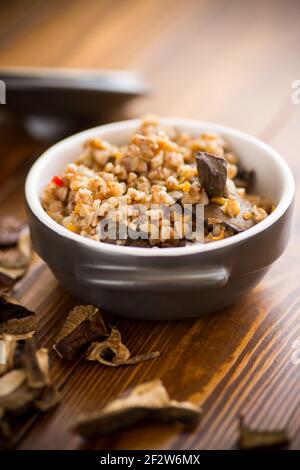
{"type": "Point", "coordinates": [18, 397]}
{"type": "Point", "coordinates": [13, 349]}
{"type": "Point", "coordinates": [15, 395]}
{"type": "Point", "coordinates": [8, 277]}
{"type": "Point", "coordinates": [254, 439]}
{"type": "Point", "coordinates": [212, 174]}
{"type": "Point", "coordinates": [145, 401]}
{"type": "Point", "coordinates": [15, 261]}
{"type": "Point", "coordinates": [83, 325]}
{"type": "Point", "coordinates": [139, 243]}
{"type": "Point", "coordinates": [24, 246]}
{"type": "Point", "coordinates": [244, 179]}
{"type": "Point", "coordinates": [9, 259]}
{"type": "Point", "coordinates": [112, 352]}
{"type": "Point", "coordinates": [10, 228]}
{"type": "Point", "coordinates": [238, 223]}
{"type": "Point", "coordinates": [173, 243]}
{"type": "Point", "coordinates": [11, 382]}
{"type": "Point", "coordinates": [24, 385]}
{"type": "Point", "coordinates": [15, 319]}
{"type": "Point", "coordinates": [20, 400]}
{"type": "Point", "coordinates": [36, 365]}
{"type": "Point", "coordinates": [9, 346]}
{"type": "Point", "coordinates": [17, 257]}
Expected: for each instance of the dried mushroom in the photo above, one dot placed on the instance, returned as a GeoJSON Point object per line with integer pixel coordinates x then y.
{"type": "Point", "coordinates": [9, 345]}
{"type": "Point", "coordinates": [238, 223]}
{"type": "Point", "coordinates": [112, 352]}
{"type": "Point", "coordinates": [36, 365]}
{"type": "Point", "coordinates": [254, 439]}
{"type": "Point", "coordinates": [26, 386]}
{"type": "Point", "coordinates": [244, 179]}
{"type": "Point", "coordinates": [212, 174]}
{"type": "Point", "coordinates": [9, 276]}
{"type": "Point", "coordinates": [83, 325]}
{"type": "Point", "coordinates": [172, 243]}
{"type": "Point", "coordinates": [146, 401]}
{"type": "Point", "coordinates": [11, 382]}
{"type": "Point", "coordinates": [10, 228]}
{"type": "Point", "coordinates": [14, 261]}
{"type": "Point", "coordinates": [15, 319]}
{"type": "Point", "coordinates": [19, 257]}
{"type": "Point", "coordinates": [16, 396]}
{"type": "Point", "coordinates": [139, 243]}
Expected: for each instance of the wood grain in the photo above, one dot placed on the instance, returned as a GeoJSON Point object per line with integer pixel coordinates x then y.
{"type": "Point", "coordinates": [230, 62]}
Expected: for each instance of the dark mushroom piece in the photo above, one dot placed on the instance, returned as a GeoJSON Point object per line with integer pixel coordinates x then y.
{"type": "Point", "coordinates": [212, 174]}
{"type": "Point", "coordinates": [17, 257]}
{"type": "Point", "coordinates": [24, 385]}
{"type": "Point", "coordinates": [15, 395]}
{"type": "Point", "coordinates": [8, 277]}
{"type": "Point", "coordinates": [10, 228]}
{"type": "Point", "coordinates": [36, 365]}
{"type": "Point", "coordinates": [251, 439]}
{"type": "Point", "coordinates": [244, 179]}
{"type": "Point", "coordinates": [237, 223]}
{"type": "Point", "coordinates": [14, 353]}
{"type": "Point", "coordinates": [16, 319]}
{"type": "Point", "coordinates": [112, 352]}
{"type": "Point", "coordinates": [14, 261]}
{"type": "Point", "coordinates": [9, 344]}
{"type": "Point", "coordinates": [83, 325]}
{"type": "Point", "coordinates": [139, 243]}
{"type": "Point", "coordinates": [145, 401]}
{"type": "Point", "coordinates": [172, 243]}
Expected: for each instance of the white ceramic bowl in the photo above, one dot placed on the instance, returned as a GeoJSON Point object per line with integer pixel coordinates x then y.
{"type": "Point", "coordinates": [166, 283]}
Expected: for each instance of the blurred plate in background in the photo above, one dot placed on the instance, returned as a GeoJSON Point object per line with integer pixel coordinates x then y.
{"type": "Point", "coordinates": [53, 100]}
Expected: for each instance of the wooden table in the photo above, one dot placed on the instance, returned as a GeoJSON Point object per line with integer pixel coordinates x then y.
{"type": "Point", "coordinates": [231, 62]}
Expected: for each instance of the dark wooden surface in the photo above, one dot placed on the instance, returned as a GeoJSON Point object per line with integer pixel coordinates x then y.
{"type": "Point", "coordinates": [231, 62]}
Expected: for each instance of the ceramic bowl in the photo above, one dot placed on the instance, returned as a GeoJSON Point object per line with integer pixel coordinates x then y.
{"type": "Point", "coordinates": [163, 283]}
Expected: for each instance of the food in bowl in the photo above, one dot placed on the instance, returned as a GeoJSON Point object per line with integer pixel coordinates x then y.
{"type": "Point", "coordinates": [159, 168]}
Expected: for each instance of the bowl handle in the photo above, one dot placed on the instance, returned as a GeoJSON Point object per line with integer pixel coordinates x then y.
{"type": "Point", "coordinates": [146, 280]}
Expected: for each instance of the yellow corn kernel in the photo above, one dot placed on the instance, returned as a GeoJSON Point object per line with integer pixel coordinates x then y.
{"type": "Point", "coordinates": [95, 143]}
{"type": "Point", "coordinates": [231, 208]}
{"type": "Point", "coordinates": [73, 228]}
{"type": "Point", "coordinates": [211, 238]}
{"type": "Point", "coordinates": [247, 215]}
{"type": "Point", "coordinates": [186, 187]}
{"type": "Point", "coordinates": [118, 155]}
{"type": "Point", "coordinates": [219, 237]}
{"type": "Point", "coordinates": [219, 200]}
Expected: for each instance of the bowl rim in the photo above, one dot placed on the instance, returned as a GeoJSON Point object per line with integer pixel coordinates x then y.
{"type": "Point", "coordinates": [34, 203]}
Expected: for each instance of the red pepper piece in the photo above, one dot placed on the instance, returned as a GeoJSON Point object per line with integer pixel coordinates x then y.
{"type": "Point", "coordinates": [56, 180]}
